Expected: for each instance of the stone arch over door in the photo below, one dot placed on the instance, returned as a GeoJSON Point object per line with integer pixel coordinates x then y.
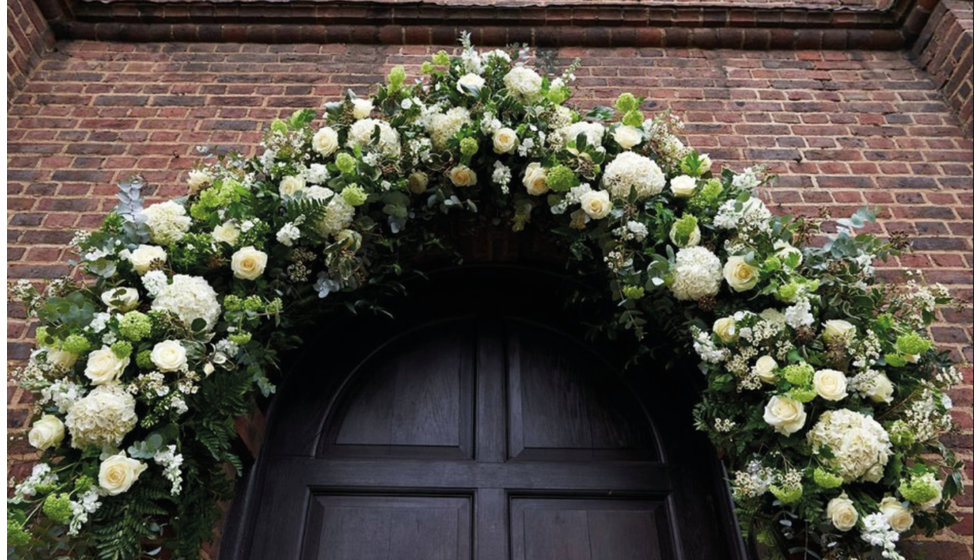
{"type": "Point", "coordinates": [479, 424]}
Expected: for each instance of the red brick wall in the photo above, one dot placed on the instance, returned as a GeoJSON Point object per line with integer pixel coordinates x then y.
{"type": "Point", "coordinates": [28, 38]}
{"type": "Point", "coordinates": [844, 129]}
{"type": "Point", "coordinates": [945, 51]}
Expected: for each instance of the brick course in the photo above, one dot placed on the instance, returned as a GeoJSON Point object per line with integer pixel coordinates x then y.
{"type": "Point", "coordinates": [843, 129]}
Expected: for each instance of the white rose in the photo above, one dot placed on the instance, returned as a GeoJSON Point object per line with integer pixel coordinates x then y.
{"type": "Point", "coordinates": [830, 384]}
{"type": "Point", "coordinates": [692, 240]}
{"type": "Point", "coordinates": [121, 299]}
{"type": "Point", "coordinates": [536, 179]}
{"type": "Point", "coordinates": [462, 176]}
{"type": "Point", "coordinates": [784, 250]}
{"type": "Point", "coordinates": [683, 186]}
{"type": "Point", "coordinates": [118, 473]}
{"type": "Point", "coordinates": [627, 136]}
{"type": "Point", "coordinates": [842, 513]}
{"type": "Point", "coordinates": [504, 141]}
{"type": "Point", "coordinates": [418, 182]}
{"type": "Point", "coordinates": [741, 276]}
{"type": "Point", "coordinates": [144, 256]}
{"type": "Point", "coordinates": [197, 180]}
{"type": "Point", "coordinates": [226, 233]}
{"type": "Point", "coordinates": [899, 516]}
{"type": "Point", "coordinates": [362, 108]}
{"type": "Point", "coordinates": [765, 368]}
{"type": "Point", "coordinates": [704, 164]}
{"type": "Point", "coordinates": [248, 263]}
{"type": "Point", "coordinates": [47, 432]}
{"type": "Point", "coordinates": [325, 141]}
{"type": "Point", "coordinates": [61, 359]}
{"type": "Point", "coordinates": [725, 329]}
{"type": "Point", "coordinates": [104, 366]}
{"type": "Point", "coordinates": [882, 390]}
{"type": "Point", "coordinates": [169, 355]}
{"type": "Point", "coordinates": [470, 80]}
{"type": "Point", "coordinates": [838, 329]}
{"type": "Point", "coordinates": [785, 414]}
{"type": "Point", "coordinates": [596, 204]}
{"type": "Point", "coordinates": [291, 185]}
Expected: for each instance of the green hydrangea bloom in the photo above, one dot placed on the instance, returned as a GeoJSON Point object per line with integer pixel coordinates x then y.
{"type": "Point", "coordinates": [441, 58]}
{"type": "Point", "coordinates": [787, 292]}
{"type": "Point", "coordinates": [684, 227]}
{"type": "Point", "coordinates": [901, 435]}
{"type": "Point", "coordinates": [798, 374]}
{"type": "Point", "coordinates": [557, 96]}
{"type": "Point", "coordinates": [143, 360]}
{"type": "Point", "coordinates": [626, 102]}
{"type": "Point", "coordinates": [121, 348]}
{"type": "Point", "coordinates": [253, 303]}
{"type": "Point", "coordinates": [396, 77]}
{"type": "Point", "coordinates": [787, 494]}
{"type": "Point", "coordinates": [561, 179]}
{"type": "Point", "coordinates": [802, 394]}
{"type": "Point", "coordinates": [76, 344]}
{"type": "Point", "coordinates": [633, 118]}
{"type": "Point", "coordinates": [83, 482]}
{"type": "Point", "coordinates": [135, 326]}
{"type": "Point", "coordinates": [58, 508]}
{"type": "Point", "coordinates": [16, 535]}
{"type": "Point", "coordinates": [427, 67]}
{"type": "Point", "coordinates": [920, 488]}
{"type": "Point", "coordinates": [354, 195]}
{"type": "Point", "coordinates": [43, 337]}
{"type": "Point", "coordinates": [240, 338]}
{"type": "Point", "coordinates": [826, 479]}
{"type": "Point", "coordinates": [633, 292]}
{"type": "Point", "coordinates": [912, 344]}
{"type": "Point", "coordinates": [705, 200]}
{"type": "Point", "coordinates": [345, 163]}
{"type": "Point", "coordinates": [469, 146]}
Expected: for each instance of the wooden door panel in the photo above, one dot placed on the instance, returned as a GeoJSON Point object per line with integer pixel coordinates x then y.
{"type": "Point", "coordinates": [588, 529]}
{"type": "Point", "coordinates": [368, 527]}
{"type": "Point", "coordinates": [412, 401]}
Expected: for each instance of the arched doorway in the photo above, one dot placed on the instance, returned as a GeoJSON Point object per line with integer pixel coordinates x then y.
{"type": "Point", "coordinates": [479, 425]}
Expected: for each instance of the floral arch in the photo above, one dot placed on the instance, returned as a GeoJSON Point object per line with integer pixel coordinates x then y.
{"type": "Point", "coordinates": [823, 391]}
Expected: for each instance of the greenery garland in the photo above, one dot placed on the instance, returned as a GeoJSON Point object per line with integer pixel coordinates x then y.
{"type": "Point", "coordinates": [823, 390]}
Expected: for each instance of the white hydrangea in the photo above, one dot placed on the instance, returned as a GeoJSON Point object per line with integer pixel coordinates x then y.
{"type": "Point", "coordinates": [167, 222]}
{"type": "Point", "coordinates": [61, 394]}
{"type": "Point", "coordinates": [860, 445]}
{"type": "Point", "coordinates": [317, 174]}
{"type": "Point", "coordinates": [154, 281]}
{"type": "Point", "coordinates": [696, 274]}
{"type": "Point", "coordinates": [630, 170]}
{"type": "Point", "coordinates": [361, 132]}
{"type": "Point", "coordinates": [523, 83]}
{"type": "Point", "coordinates": [593, 134]}
{"type": "Point", "coordinates": [189, 297]}
{"type": "Point", "coordinates": [443, 126]}
{"type": "Point", "coordinates": [338, 215]}
{"type": "Point", "coordinates": [102, 418]}
{"type": "Point", "coordinates": [751, 214]}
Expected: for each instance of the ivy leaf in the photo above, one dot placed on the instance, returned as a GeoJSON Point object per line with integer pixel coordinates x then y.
{"type": "Point", "coordinates": [600, 113]}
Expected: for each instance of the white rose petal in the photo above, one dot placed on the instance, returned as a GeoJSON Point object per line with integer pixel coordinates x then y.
{"type": "Point", "coordinates": [226, 233]}
{"type": "Point", "coordinates": [47, 432]}
{"type": "Point", "coordinates": [842, 513]}
{"type": "Point", "coordinates": [121, 299]}
{"type": "Point", "coordinates": [627, 136]}
{"type": "Point", "coordinates": [469, 81]}
{"type": "Point", "coordinates": [535, 179]}
{"type": "Point", "coordinates": [740, 275]}
{"type": "Point", "coordinates": [104, 366]}
{"type": "Point", "coordinates": [362, 108]}
{"type": "Point", "coordinates": [325, 141]}
{"type": "Point", "coordinates": [596, 204]}
{"type": "Point", "coordinates": [504, 141]}
{"type": "Point", "coordinates": [169, 355]}
{"type": "Point", "coordinates": [899, 516]}
{"type": "Point", "coordinates": [683, 186]}
{"type": "Point", "coordinates": [118, 473]}
{"type": "Point", "coordinates": [143, 257]}
{"type": "Point", "coordinates": [291, 185]}
{"type": "Point", "coordinates": [248, 263]}
{"type": "Point", "coordinates": [786, 415]}
{"type": "Point", "coordinates": [830, 384]}
{"type": "Point", "coordinates": [765, 368]}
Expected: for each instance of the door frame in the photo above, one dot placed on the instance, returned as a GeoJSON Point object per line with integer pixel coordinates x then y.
{"type": "Point", "coordinates": [534, 294]}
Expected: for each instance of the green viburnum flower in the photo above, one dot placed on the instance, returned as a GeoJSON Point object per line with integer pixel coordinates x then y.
{"type": "Point", "coordinates": [798, 374]}
{"type": "Point", "coordinates": [826, 479]}
{"type": "Point", "coordinates": [427, 67]}
{"type": "Point", "coordinates": [706, 198]}
{"type": "Point", "coordinates": [802, 394]}
{"type": "Point", "coordinates": [345, 163]}
{"type": "Point", "coordinates": [58, 508]}
{"type": "Point", "coordinates": [787, 494]}
{"type": "Point", "coordinates": [901, 434]}
{"type": "Point", "coordinates": [633, 292]}
{"type": "Point", "coordinates": [912, 344]}
{"type": "Point", "coordinates": [354, 195]}
{"type": "Point", "coordinates": [252, 303]}
{"type": "Point", "coordinates": [684, 228]}
{"type": "Point", "coordinates": [83, 482]}
{"type": "Point", "coordinates": [469, 146]}
{"type": "Point", "coordinates": [42, 336]}
{"type": "Point", "coordinates": [633, 118]}
{"type": "Point", "coordinates": [143, 360]}
{"type": "Point", "coordinates": [787, 292]}
{"type": "Point", "coordinates": [561, 179]}
{"type": "Point", "coordinates": [396, 77]}
{"type": "Point", "coordinates": [121, 348]}
{"type": "Point", "coordinates": [920, 488]}
{"type": "Point", "coordinates": [16, 535]}
{"type": "Point", "coordinates": [280, 126]}
{"type": "Point", "coordinates": [76, 344]}
{"type": "Point", "coordinates": [626, 102]}
{"type": "Point", "coordinates": [240, 338]}
{"type": "Point", "coordinates": [441, 58]}
{"type": "Point", "coordinates": [557, 96]}
{"type": "Point", "coordinates": [135, 326]}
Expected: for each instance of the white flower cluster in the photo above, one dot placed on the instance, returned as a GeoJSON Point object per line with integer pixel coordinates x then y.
{"type": "Point", "coordinates": [860, 445]}
{"type": "Point", "coordinates": [928, 416]}
{"type": "Point", "coordinates": [443, 126]}
{"type": "Point", "coordinates": [523, 83]}
{"type": "Point", "coordinates": [171, 461]}
{"type": "Point", "coordinates": [877, 531]}
{"type": "Point", "coordinates": [167, 222]}
{"type": "Point", "coordinates": [706, 348]}
{"type": "Point", "coordinates": [798, 315]}
{"type": "Point", "coordinates": [41, 475]}
{"type": "Point", "coordinates": [633, 230]}
{"type": "Point", "coordinates": [696, 274]}
{"type": "Point", "coordinates": [746, 180]}
{"type": "Point", "coordinates": [338, 216]}
{"type": "Point", "coordinates": [288, 234]}
{"type": "Point", "coordinates": [753, 481]}
{"type": "Point", "coordinates": [362, 131]}
{"type": "Point", "coordinates": [593, 134]}
{"type": "Point", "coordinates": [102, 418]}
{"type": "Point", "coordinates": [152, 383]}
{"type": "Point", "coordinates": [81, 508]}
{"type": "Point", "coordinates": [749, 215]}
{"type": "Point", "coordinates": [189, 298]}
{"type": "Point", "coordinates": [501, 176]}
{"type": "Point", "coordinates": [61, 394]}
{"type": "Point", "coordinates": [154, 281]}
{"type": "Point", "coordinates": [629, 171]}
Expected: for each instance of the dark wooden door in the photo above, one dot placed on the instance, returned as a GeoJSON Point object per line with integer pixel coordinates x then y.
{"type": "Point", "coordinates": [482, 437]}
